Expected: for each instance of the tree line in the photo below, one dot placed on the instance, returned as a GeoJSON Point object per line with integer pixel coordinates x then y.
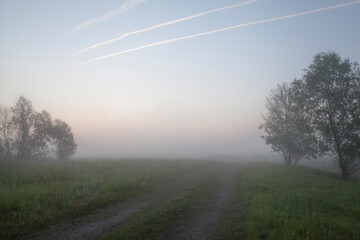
{"type": "Point", "coordinates": [29, 135]}
{"type": "Point", "coordinates": [318, 114]}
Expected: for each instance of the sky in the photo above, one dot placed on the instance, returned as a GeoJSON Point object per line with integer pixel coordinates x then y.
{"type": "Point", "coordinates": [201, 93]}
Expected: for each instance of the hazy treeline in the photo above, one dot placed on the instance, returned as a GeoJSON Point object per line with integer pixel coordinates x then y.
{"type": "Point", "coordinates": [29, 135]}
{"type": "Point", "coordinates": [318, 114]}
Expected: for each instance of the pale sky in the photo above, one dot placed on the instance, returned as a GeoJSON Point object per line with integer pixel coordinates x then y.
{"type": "Point", "coordinates": [193, 97]}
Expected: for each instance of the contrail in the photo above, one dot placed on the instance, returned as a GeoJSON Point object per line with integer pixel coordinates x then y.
{"type": "Point", "coordinates": [220, 30]}
{"type": "Point", "coordinates": [126, 6]}
{"type": "Point", "coordinates": [165, 24]}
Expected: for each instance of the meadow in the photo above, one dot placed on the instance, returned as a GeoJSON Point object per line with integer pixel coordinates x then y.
{"type": "Point", "coordinates": [168, 199]}
{"type": "Point", "coordinates": [279, 202]}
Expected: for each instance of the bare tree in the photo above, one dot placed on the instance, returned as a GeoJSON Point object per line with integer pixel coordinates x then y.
{"type": "Point", "coordinates": [5, 133]}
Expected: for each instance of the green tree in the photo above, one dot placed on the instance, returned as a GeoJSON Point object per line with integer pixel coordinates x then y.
{"type": "Point", "coordinates": [41, 135]}
{"type": "Point", "coordinates": [62, 135]}
{"type": "Point", "coordinates": [331, 97]}
{"type": "Point", "coordinates": [22, 121]}
{"type": "Point", "coordinates": [32, 135]}
{"type": "Point", "coordinates": [285, 129]}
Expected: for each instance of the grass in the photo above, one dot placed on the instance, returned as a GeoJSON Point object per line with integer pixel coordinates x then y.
{"type": "Point", "coordinates": [34, 195]}
{"type": "Point", "coordinates": [296, 203]}
{"type": "Point", "coordinates": [268, 201]}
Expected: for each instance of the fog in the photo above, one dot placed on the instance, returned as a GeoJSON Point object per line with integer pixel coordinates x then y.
{"type": "Point", "coordinates": [153, 146]}
{"type": "Point", "coordinates": [164, 79]}
{"type": "Point", "coordinates": [181, 119]}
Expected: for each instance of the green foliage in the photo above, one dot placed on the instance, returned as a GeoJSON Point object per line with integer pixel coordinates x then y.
{"type": "Point", "coordinates": [28, 135]}
{"type": "Point", "coordinates": [330, 94]}
{"type": "Point", "coordinates": [285, 126]}
{"type": "Point", "coordinates": [23, 117]}
{"type": "Point", "coordinates": [318, 114]}
{"type": "Point", "coordinates": [299, 203]}
{"type": "Point", "coordinates": [63, 139]}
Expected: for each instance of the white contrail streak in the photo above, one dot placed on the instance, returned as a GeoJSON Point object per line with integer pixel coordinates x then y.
{"type": "Point", "coordinates": [220, 30]}
{"type": "Point", "coordinates": [126, 6]}
{"type": "Point", "coordinates": [164, 24]}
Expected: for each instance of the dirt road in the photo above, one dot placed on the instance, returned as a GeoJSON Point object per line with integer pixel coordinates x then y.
{"type": "Point", "coordinates": [198, 224]}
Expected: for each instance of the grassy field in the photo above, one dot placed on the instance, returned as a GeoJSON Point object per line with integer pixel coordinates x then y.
{"type": "Point", "coordinates": [297, 203]}
{"type": "Point", "coordinates": [263, 200]}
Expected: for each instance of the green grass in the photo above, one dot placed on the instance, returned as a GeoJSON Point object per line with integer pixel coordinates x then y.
{"type": "Point", "coordinates": [34, 195]}
{"type": "Point", "coordinates": [269, 201]}
{"type": "Point", "coordinates": [296, 203]}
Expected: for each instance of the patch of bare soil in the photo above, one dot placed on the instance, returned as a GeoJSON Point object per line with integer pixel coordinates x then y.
{"type": "Point", "coordinates": [204, 221]}
{"type": "Point", "coordinates": [105, 219]}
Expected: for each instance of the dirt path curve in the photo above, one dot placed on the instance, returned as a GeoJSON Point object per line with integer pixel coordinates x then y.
{"type": "Point", "coordinates": [105, 219]}
{"type": "Point", "coordinates": [202, 224]}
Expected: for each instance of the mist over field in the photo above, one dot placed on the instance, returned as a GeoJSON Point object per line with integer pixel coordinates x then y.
{"type": "Point", "coordinates": [153, 145]}
{"type": "Point", "coordinates": [196, 96]}
{"type": "Point", "coordinates": [182, 119]}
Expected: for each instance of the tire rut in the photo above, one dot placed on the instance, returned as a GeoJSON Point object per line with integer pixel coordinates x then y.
{"type": "Point", "coordinates": [105, 219]}
{"type": "Point", "coordinates": [202, 224]}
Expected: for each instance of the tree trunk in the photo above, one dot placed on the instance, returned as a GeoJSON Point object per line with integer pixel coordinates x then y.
{"type": "Point", "coordinates": [343, 167]}
{"type": "Point", "coordinates": [290, 159]}
{"type": "Point", "coordinates": [341, 160]}
{"type": "Point", "coordinates": [287, 159]}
